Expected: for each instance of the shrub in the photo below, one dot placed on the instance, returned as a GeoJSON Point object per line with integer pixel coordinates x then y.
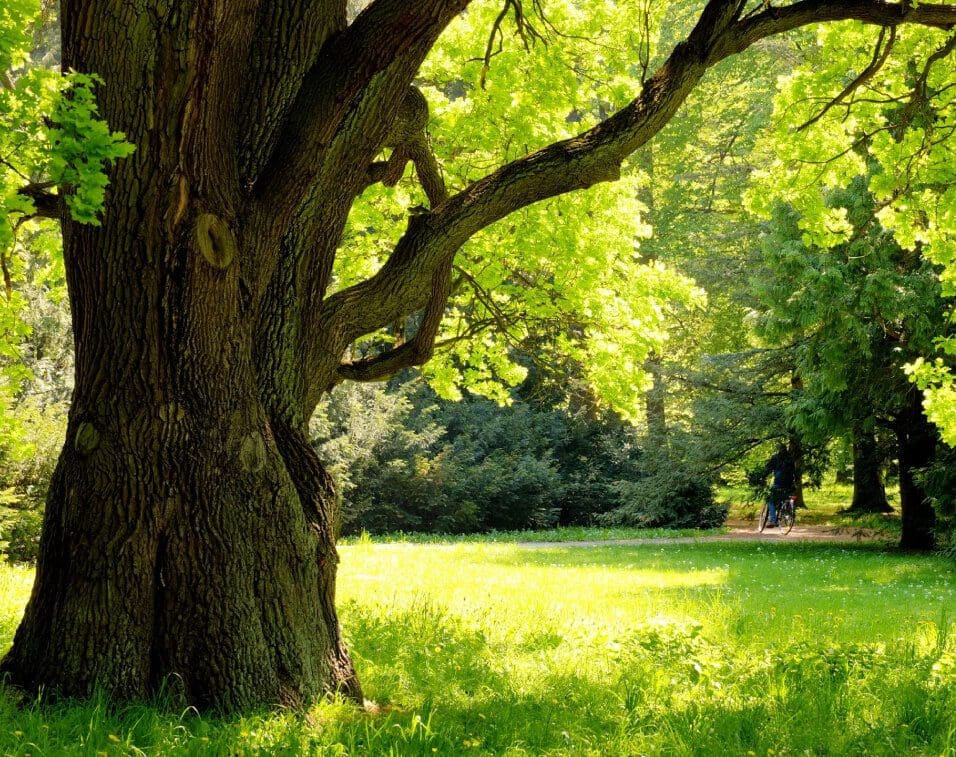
{"type": "Point", "coordinates": [673, 492]}
{"type": "Point", "coordinates": [26, 467]}
{"type": "Point", "coordinates": [406, 460]}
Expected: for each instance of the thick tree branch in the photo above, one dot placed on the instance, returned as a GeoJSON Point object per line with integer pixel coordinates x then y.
{"type": "Point", "coordinates": [778, 20]}
{"type": "Point", "coordinates": [289, 35]}
{"type": "Point", "coordinates": [403, 284]}
{"type": "Point", "coordinates": [408, 139]}
{"type": "Point", "coordinates": [347, 63]}
{"type": "Point", "coordinates": [45, 203]}
{"type": "Point", "coordinates": [418, 350]}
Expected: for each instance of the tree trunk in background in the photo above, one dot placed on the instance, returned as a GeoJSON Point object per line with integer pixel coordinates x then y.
{"type": "Point", "coordinates": [916, 438]}
{"type": "Point", "coordinates": [844, 473]}
{"type": "Point", "coordinates": [796, 453]}
{"type": "Point", "coordinates": [869, 494]}
{"type": "Point", "coordinates": [654, 402]}
{"type": "Point", "coordinates": [795, 446]}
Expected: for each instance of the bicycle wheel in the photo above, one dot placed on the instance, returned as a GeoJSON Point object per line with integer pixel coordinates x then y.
{"type": "Point", "coordinates": [787, 518]}
{"type": "Point", "coordinates": [762, 520]}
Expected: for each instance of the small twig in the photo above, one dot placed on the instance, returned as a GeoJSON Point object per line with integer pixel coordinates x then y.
{"type": "Point", "coordinates": [880, 54]}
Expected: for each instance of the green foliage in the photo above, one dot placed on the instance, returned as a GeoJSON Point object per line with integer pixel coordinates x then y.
{"type": "Point", "coordinates": [407, 461]}
{"type": "Point", "coordinates": [936, 381]}
{"type": "Point", "coordinates": [82, 147]}
{"type": "Point", "coordinates": [674, 490]}
{"type": "Point", "coordinates": [896, 130]}
{"type": "Point", "coordinates": [52, 135]}
{"type": "Point", "coordinates": [707, 649]}
{"type": "Point", "coordinates": [571, 265]}
{"type": "Point", "coordinates": [854, 314]}
{"type": "Point", "coordinates": [35, 409]}
{"type": "Point", "coordinates": [25, 472]}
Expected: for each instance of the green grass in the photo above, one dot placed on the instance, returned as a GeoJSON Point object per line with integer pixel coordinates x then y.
{"type": "Point", "coordinates": [559, 534]}
{"type": "Point", "coordinates": [493, 648]}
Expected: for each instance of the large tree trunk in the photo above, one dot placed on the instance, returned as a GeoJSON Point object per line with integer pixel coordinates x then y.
{"type": "Point", "coordinates": [916, 437]}
{"type": "Point", "coordinates": [869, 494]}
{"type": "Point", "coordinates": [188, 532]}
{"type": "Point", "coordinates": [188, 535]}
{"type": "Point", "coordinates": [655, 402]}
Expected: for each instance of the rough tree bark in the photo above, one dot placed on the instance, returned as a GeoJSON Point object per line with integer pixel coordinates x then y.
{"type": "Point", "coordinates": [916, 440]}
{"type": "Point", "coordinates": [188, 535]}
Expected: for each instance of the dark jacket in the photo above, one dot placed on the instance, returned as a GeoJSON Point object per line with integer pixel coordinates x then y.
{"type": "Point", "coordinates": [784, 471]}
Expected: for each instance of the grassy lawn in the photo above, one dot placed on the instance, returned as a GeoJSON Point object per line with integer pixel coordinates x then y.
{"type": "Point", "coordinates": [557, 534]}
{"type": "Point", "coordinates": [493, 648]}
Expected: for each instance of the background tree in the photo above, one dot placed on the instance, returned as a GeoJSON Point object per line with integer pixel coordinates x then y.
{"type": "Point", "coordinates": [854, 314]}
{"type": "Point", "coordinates": [891, 120]}
{"type": "Point", "coordinates": [189, 526]}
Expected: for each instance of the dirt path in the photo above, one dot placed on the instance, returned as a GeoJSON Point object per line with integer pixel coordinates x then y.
{"type": "Point", "coordinates": [738, 532]}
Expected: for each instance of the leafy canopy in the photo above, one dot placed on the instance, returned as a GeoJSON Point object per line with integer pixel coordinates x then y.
{"type": "Point", "coordinates": [570, 267]}
{"type": "Point", "coordinates": [891, 119]}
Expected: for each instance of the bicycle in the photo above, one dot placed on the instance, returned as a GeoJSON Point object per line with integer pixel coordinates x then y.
{"type": "Point", "coordinates": [786, 515]}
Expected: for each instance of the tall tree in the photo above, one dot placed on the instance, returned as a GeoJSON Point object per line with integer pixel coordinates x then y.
{"type": "Point", "coordinates": [854, 315]}
{"type": "Point", "coordinates": [869, 493]}
{"type": "Point", "coordinates": [188, 533]}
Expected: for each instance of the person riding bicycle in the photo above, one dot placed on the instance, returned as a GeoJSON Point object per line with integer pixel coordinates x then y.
{"type": "Point", "coordinates": [784, 477]}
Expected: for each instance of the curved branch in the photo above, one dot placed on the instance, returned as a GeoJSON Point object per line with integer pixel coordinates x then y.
{"type": "Point", "coordinates": [778, 20]}
{"type": "Point", "coordinates": [403, 284]}
{"type": "Point", "coordinates": [408, 138]}
{"type": "Point", "coordinates": [416, 351]}
{"type": "Point", "coordinates": [347, 63]}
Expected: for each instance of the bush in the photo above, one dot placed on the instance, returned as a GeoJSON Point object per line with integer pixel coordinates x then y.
{"type": "Point", "coordinates": [406, 460]}
{"type": "Point", "coordinates": [673, 492]}
{"type": "Point", "coordinates": [26, 467]}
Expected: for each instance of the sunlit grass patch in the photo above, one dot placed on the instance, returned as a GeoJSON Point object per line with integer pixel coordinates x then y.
{"type": "Point", "coordinates": [559, 534]}
{"type": "Point", "coordinates": [498, 649]}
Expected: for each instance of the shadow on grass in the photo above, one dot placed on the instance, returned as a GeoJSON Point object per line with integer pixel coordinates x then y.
{"type": "Point", "coordinates": [659, 689]}
{"type": "Point", "coordinates": [445, 688]}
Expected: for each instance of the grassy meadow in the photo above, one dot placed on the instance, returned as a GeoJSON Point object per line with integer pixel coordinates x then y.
{"type": "Point", "coordinates": [715, 648]}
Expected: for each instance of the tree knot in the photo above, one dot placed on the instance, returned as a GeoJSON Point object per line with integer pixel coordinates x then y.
{"type": "Point", "coordinates": [216, 241]}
